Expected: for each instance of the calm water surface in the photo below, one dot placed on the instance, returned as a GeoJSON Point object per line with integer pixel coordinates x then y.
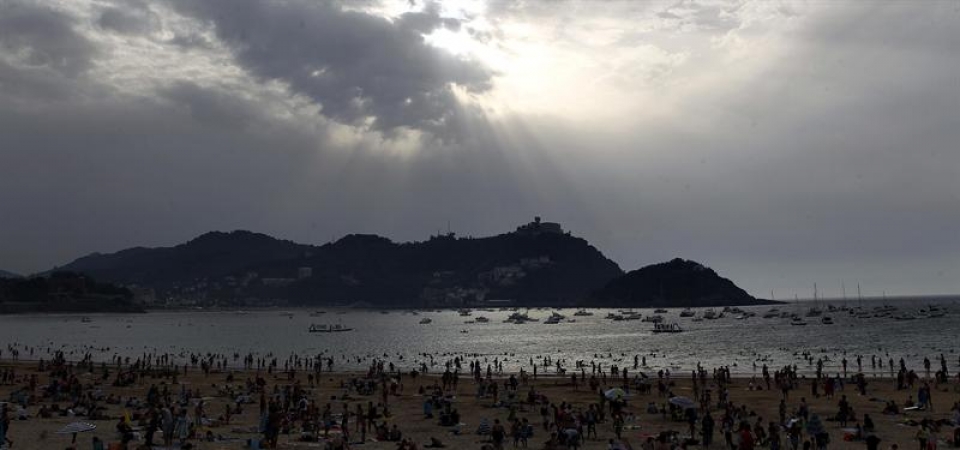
{"type": "Point", "coordinates": [727, 341]}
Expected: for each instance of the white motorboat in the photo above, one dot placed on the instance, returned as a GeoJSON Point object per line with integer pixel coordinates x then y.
{"type": "Point", "coordinates": [667, 328]}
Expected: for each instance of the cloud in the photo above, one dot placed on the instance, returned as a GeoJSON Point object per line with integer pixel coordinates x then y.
{"type": "Point", "coordinates": [780, 145]}
{"type": "Point", "coordinates": [363, 70]}
{"type": "Point", "coordinates": [130, 18]}
{"type": "Point", "coordinates": [36, 35]}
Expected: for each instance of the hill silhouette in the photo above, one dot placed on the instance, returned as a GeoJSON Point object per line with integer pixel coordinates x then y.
{"type": "Point", "coordinates": [536, 265]}
{"type": "Point", "coordinates": [5, 274]}
{"type": "Point", "coordinates": [63, 292]}
{"type": "Point", "coordinates": [676, 283]}
{"type": "Point", "coordinates": [212, 255]}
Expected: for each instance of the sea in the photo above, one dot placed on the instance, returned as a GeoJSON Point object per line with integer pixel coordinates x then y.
{"type": "Point", "coordinates": [744, 344]}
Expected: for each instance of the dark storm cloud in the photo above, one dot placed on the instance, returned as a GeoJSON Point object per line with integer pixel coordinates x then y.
{"type": "Point", "coordinates": [46, 38]}
{"type": "Point", "coordinates": [212, 108]}
{"type": "Point", "coordinates": [355, 65]}
{"type": "Point", "coordinates": [830, 156]}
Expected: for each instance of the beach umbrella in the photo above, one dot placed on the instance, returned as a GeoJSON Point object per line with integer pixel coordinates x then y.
{"type": "Point", "coordinates": [77, 427]}
{"type": "Point", "coordinates": [683, 402]}
{"type": "Point", "coordinates": [614, 393]}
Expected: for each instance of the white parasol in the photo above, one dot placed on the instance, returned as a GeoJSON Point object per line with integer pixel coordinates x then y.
{"type": "Point", "coordinates": [77, 427]}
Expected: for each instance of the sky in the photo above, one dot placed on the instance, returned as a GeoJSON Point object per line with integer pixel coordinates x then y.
{"type": "Point", "coordinates": [781, 143]}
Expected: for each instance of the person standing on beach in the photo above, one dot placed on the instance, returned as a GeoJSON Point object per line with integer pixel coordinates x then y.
{"type": "Point", "coordinates": [498, 433]}
{"type": "Point", "coordinates": [922, 436]}
{"type": "Point", "coordinates": [168, 424]}
{"type": "Point", "coordinates": [872, 441]}
{"type": "Point", "coordinates": [773, 438]}
{"type": "Point", "coordinates": [844, 411]}
{"type": "Point", "coordinates": [153, 424]}
{"type": "Point", "coordinates": [794, 434]}
{"type": "Point", "coordinates": [746, 437]}
{"type": "Point", "coordinates": [182, 428]}
{"type": "Point", "coordinates": [4, 427]}
{"type": "Point", "coordinates": [706, 429]}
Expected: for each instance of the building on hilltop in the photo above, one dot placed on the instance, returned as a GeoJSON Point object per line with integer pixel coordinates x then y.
{"type": "Point", "coordinates": [537, 227]}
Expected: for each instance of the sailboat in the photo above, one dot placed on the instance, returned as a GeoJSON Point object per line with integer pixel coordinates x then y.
{"type": "Point", "coordinates": [814, 311]}
{"type": "Point", "coordinates": [861, 313]}
{"type": "Point", "coordinates": [826, 320]}
{"type": "Point", "coordinates": [796, 319]}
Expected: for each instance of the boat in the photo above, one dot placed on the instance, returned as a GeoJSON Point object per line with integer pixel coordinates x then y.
{"type": "Point", "coordinates": [425, 321]}
{"type": "Point", "coordinates": [709, 314]}
{"type": "Point", "coordinates": [464, 312]}
{"type": "Point", "coordinates": [86, 319]}
{"type": "Point", "coordinates": [583, 312]}
{"type": "Point", "coordinates": [798, 321]}
{"type": "Point", "coordinates": [654, 318]}
{"type": "Point", "coordinates": [317, 313]}
{"type": "Point", "coordinates": [667, 328]}
{"type": "Point", "coordinates": [826, 320]}
{"type": "Point", "coordinates": [481, 319]}
{"type": "Point", "coordinates": [687, 313]}
{"type": "Point", "coordinates": [815, 310]}
{"type": "Point", "coordinates": [552, 320]}
{"type": "Point", "coordinates": [325, 328]}
{"type": "Point", "coordinates": [557, 315]}
{"type": "Point", "coordinates": [733, 310]}
{"type": "Point", "coordinates": [661, 311]}
{"type": "Point", "coordinates": [519, 318]}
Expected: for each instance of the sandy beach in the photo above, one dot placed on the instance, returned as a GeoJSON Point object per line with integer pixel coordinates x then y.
{"type": "Point", "coordinates": [405, 402]}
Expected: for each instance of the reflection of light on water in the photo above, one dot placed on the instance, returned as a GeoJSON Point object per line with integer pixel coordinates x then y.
{"type": "Point", "coordinates": [712, 343]}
